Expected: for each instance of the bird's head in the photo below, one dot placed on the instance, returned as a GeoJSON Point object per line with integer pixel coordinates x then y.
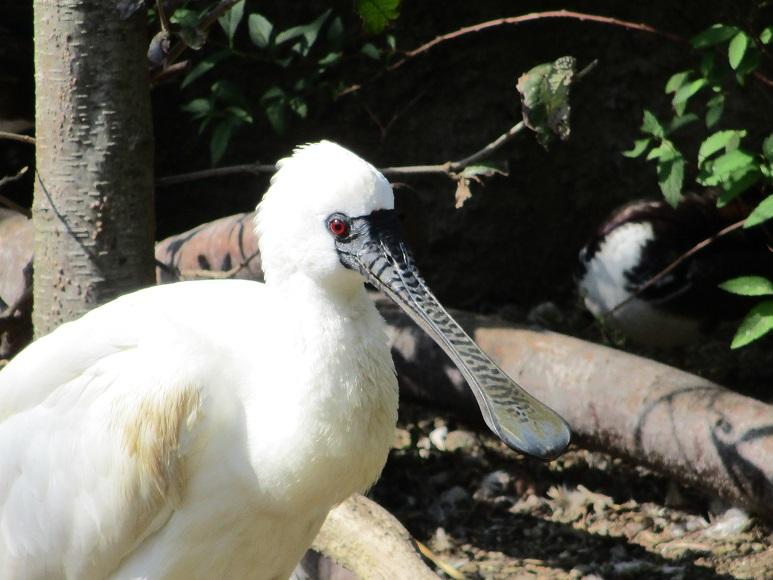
{"type": "Point", "coordinates": [314, 215]}
{"type": "Point", "coordinates": [329, 216]}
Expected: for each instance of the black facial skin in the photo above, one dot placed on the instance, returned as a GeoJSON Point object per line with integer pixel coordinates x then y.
{"type": "Point", "coordinates": [373, 247]}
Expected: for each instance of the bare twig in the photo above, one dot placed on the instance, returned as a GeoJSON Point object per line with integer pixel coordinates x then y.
{"type": "Point", "coordinates": [533, 16]}
{"type": "Point", "coordinates": [675, 264]}
{"type": "Point", "coordinates": [512, 20]}
{"type": "Point", "coordinates": [254, 168]}
{"type": "Point", "coordinates": [17, 137]}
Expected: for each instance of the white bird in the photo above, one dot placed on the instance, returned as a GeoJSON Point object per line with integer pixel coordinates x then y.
{"type": "Point", "coordinates": [205, 429]}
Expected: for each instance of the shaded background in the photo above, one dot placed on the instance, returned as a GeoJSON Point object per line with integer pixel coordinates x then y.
{"type": "Point", "coordinates": [514, 244]}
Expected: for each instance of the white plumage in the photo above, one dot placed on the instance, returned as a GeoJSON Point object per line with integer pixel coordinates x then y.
{"type": "Point", "coordinates": [204, 429]}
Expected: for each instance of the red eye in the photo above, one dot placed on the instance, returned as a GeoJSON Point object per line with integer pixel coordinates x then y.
{"type": "Point", "coordinates": [338, 227]}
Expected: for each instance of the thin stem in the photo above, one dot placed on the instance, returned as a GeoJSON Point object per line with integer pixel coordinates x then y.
{"type": "Point", "coordinates": [254, 168]}
{"type": "Point", "coordinates": [512, 20]}
{"type": "Point", "coordinates": [17, 137]}
{"type": "Point", "coordinates": [162, 17]}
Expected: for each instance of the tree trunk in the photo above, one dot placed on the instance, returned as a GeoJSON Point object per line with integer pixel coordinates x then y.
{"type": "Point", "coordinates": [93, 206]}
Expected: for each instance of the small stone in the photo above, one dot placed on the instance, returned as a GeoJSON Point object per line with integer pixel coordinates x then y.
{"type": "Point", "coordinates": [493, 485]}
{"type": "Point", "coordinates": [441, 541]}
{"type": "Point", "coordinates": [460, 440]}
{"type": "Point", "coordinates": [438, 437]}
{"type": "Point", "coordinates": [402, 439]}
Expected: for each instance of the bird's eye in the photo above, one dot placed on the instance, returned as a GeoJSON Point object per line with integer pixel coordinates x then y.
{"type": "Point", "coordinates": [338, 227]}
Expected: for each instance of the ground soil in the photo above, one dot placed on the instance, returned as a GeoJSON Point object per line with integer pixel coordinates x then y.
{"type": "Point", "coordinates": [485, 511]}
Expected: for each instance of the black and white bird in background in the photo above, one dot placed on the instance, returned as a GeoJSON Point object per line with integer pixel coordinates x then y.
{"type": "Point", "coordinates": [619, 270]}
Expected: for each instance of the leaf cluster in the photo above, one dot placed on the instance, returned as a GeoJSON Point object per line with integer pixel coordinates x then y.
{"type": "Point", "coordinates": [303, 56]}
{"type": "Point", "coordinates": [722, 160]}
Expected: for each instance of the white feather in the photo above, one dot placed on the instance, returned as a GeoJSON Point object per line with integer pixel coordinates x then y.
{"type": "Point", "coordinates": [204, 429]}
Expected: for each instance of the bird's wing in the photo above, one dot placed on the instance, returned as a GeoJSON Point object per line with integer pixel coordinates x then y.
{"type": "Point", "coordinates": [99, 423]}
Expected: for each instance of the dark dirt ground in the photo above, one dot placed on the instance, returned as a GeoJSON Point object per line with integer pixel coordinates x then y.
{"type": "Point", "coordinates": [487, 512]}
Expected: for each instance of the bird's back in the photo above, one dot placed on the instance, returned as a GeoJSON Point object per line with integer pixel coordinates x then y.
{"type": "Point", "coordinates": [130, 441]}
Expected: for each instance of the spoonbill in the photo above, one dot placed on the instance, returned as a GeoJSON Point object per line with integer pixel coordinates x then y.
{"type": "Point", "coordinates": [204, 429]}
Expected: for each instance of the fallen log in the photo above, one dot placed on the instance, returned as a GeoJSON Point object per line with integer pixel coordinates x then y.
{"type": "Point", "coordinates": [364, 538]}
{"type": "Point", "coordinates": [681, 425]}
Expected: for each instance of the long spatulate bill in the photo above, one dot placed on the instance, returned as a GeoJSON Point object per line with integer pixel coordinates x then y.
{"type": "Point", "coordinates": [521, 421]}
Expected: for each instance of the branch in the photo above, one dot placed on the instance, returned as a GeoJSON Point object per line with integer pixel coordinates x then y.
{"type": "Point", "coordinates": [366, 539]}
{"type": "Point", "coordinates": [512, 20]}
{"type": "Point", "coordinates": [253, 168]}
{"type": "Point", "coordinates": [533, 16]}
{"type": "Point", "coordinates": [447, 168]}
{"type": "Point", "coordinates": [17, 137]}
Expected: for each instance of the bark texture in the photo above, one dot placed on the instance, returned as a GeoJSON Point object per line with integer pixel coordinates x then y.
{"type": "Point", "coordinates": [93, 205]}
{"type": "Point", "coordinates": [363, 537]}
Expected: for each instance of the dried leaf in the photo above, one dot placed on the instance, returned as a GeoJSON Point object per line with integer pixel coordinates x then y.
{"type": "Point", "coordinates": [463, 192]}
{"type": "Point", "coordinates": [544, 92]}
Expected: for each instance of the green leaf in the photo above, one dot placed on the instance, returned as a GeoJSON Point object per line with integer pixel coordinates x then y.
{"type": "Point", "coordinates": [749, 63]}
{"type": "Point", "coordinates": [767, 147]}
{"type": "Point", "coordinates": [766, 35]}
{"type": "Point", "coordinates": [671, 177]}
{"type": "Point", "coordinates": [757, 323]}
{"type": "Point", "coordinates": [681, 97]}
{"type": "Point", "coordinates": [732, 161]}
{"type": "Point", "coordinates": [260, 30]}
{"type": "Point", "coordinates": [737, 49]}
{"type": "Point", "coordinates": [299, 107]}
{"type": "Point", "coordinates": [679, 122]}
{"type": "Point", "coordinates": [716, 34]}
{"type": "Point", "coordinates": [717, 141]}
{"type": "Point", "coordinates": [307, 32]}
{"type": "Point", "coordinates": [203, 67]}
{"type": "Point", "coordinates": [185, 18]}
{"type": "Point", "coordinates": [652, 126]}
{"type": "Point", "coordinates": [676, 81]}
{"type": "Point", "coordinates": [198, 107]}
{"type": "Point", "coordinates": [639, 147]}
{"type": "Point", "coordinates": [371, 51]}
{"type": "Point", "coordinates": [335, 34]}
{"type": "Point", "coordinates": [230, 21]}
{"type": "Point", "coordinates": [241, 114]}
{"type": "Point", "coordinates": [221, 136]}
{"type": "Point", "coordinates": [484, 170]}
{"type": "Point", "coordinates": [763, 212]}
{"type": "Point", "coordinates": [748, 286]}
{"type": "Point", "coordinates": [714, 109]}
{"type": "Point", "coordinates": [330, 58]}
{"type": "Point", "coordinates": [544, 92]}
{"type": "Point", "coordinates": [377, 14]}
{"type": "Point", "coordinates": [737, 183]}
{"type": "Point", "coordinates": [274, 102]}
